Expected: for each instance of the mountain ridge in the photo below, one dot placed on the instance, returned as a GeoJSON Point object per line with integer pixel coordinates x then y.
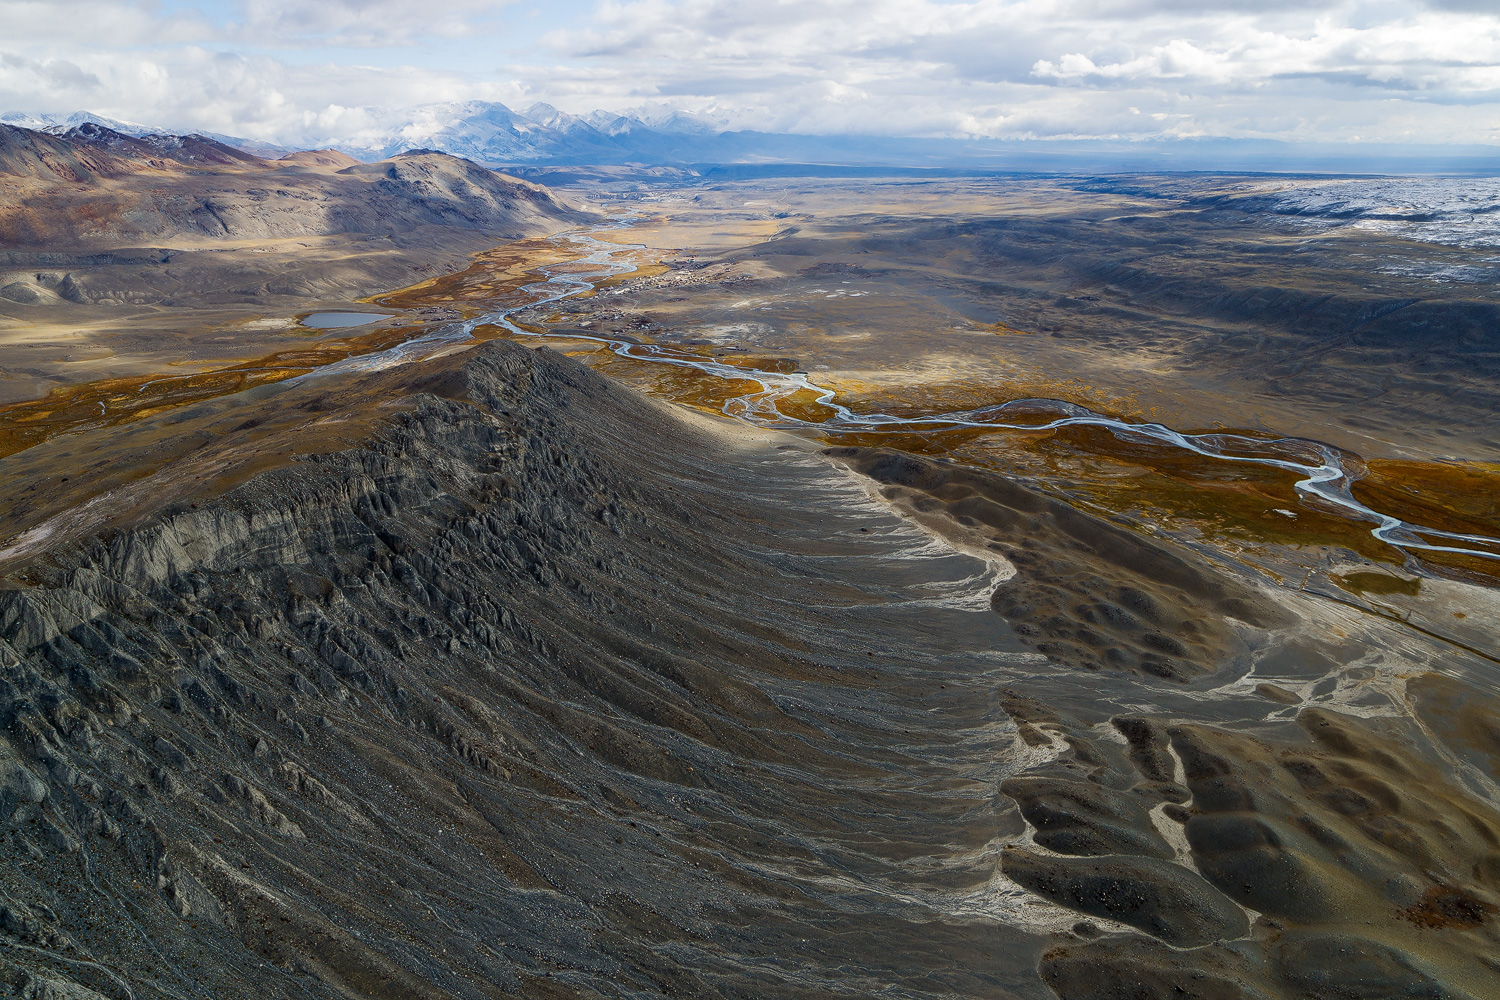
{"type": "Point", "coordinates": [494, 134]}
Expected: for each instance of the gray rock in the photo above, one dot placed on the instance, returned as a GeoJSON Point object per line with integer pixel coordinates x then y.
{"type": "Point", "coordinates": [47, 988]}
{"type": "Point", "coordinates": [1082, 817]}
{"type": "Point", "coordinates": [59, 838]}
{"type": "Point", "coordinates": [1346, 967]}
{"type": "Point", "coordinates": [18, 787]}
{"type": "Point", "coordinates": [169, 753]}
{"type": "Point", "coordinates": [166, 781]}
{"type": "Point", "coordinates": [1135, 968]}
{"type": "Point", "coordinates": [1160, 898]}
{"type": "Point", "coordinates": [20, 291]}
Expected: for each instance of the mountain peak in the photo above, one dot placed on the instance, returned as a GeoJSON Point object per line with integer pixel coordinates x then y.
{"type": "Point", "coordinates": [192, 149]}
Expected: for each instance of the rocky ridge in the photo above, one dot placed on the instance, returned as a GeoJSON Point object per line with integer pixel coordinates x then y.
{"type": "Point", "coordinates": [525, 685]}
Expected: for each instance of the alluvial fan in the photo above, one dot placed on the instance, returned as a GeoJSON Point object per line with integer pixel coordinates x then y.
{"type": "Point", "coordinates": [485, 676]}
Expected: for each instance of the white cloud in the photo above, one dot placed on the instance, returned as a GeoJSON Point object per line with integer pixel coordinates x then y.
{"type": "Point", "coordinates": [1392, 70]}
{"type": "Point", "coordinates": [362, 23]}
{"type": "Point", "coordinates": [1445, 54]}
{"type": "Point", "coordinates": [929, 66]}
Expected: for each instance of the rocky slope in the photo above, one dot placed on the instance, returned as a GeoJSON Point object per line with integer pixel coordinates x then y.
{"type": "Point", "coordinates": [486, 677]}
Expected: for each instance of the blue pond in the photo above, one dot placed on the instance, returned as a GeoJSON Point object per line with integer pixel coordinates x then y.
{"type": "Point", "coordinates": [336, 320]}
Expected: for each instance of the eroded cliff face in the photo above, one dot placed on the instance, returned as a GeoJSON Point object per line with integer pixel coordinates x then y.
{"type": "Point", "coordinates": [524, 685]}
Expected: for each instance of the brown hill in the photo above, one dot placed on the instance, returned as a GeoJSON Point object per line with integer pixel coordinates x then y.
{"type": "Point", "coordinates": [320, 158]}
{"type": "Point", "coordinates": [27, 154]}
{"type": "Point", "coordinates": [91, 153]}
{"type": "Point", "coordinates": [93, 187]}
{"type": "Point", "coordinates": [160, 150]}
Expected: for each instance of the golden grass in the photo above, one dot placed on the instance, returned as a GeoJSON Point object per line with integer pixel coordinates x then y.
{"type": "Point", "coordinates": [107, 402]}
{"type": "Point", "coordinates": [1378, 583]}
{"type": "Point", "coordinates": [1246, 504]}
{"type": "Point", "coordinates": [1462, 497]}
{"type": "Point", "coordinates": [495, 279]}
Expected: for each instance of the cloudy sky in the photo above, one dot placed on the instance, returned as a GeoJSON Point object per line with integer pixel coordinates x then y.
{"type": "Point", "coordinates": [1404, 71]}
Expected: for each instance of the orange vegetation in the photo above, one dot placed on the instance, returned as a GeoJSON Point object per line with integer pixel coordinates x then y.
{"type": "Point", "coordinates": [117, 400]}
{"type": "Point", "coordinates": [1245, 503]}
{"type": "Point", "coordinates": [1462, 497]}
{"type": "Point", "coordinates": [495, 276]}
{"type": "Point", "coordinates": [494, 280]}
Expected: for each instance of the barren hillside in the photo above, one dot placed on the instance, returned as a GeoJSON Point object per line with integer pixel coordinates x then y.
{"type": "Point", "coordinates": [92, 187]}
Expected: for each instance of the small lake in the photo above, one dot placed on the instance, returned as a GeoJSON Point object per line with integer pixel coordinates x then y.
{"type": "Point", "coordinates": [338, 320]}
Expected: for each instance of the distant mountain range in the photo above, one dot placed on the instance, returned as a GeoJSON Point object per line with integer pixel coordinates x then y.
{"type": "Point", "coordinates": [488, 132]}
{"type": "Point", "coordinates": [62, 124]}
{"type": "Point", "coordinates": [542, 138]}
{"type": "Point", "coordinates": [483, 131]}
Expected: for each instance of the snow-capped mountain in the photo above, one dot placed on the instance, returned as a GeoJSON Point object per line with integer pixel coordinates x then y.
{"type": "Point", "coordinates": [483, 131]}
{"type": "Point", "coordinates": [543, 136]}
{"type": "Point", "coordinates": [489, 132]}
{"type": "Point", "coordinates": [58, 124]}
{"type": "Point", "coordinates": [65, 124]}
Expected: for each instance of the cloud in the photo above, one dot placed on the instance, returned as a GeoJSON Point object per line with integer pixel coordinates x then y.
{"type": "Point", "coordinates": [994, 66]}
{"type": "Point", "coordinates": [361, 23]}
{"type": "Point", "coordinates": [1444, 54]}
{"type": "Point", "coordinates": [1397, 70]}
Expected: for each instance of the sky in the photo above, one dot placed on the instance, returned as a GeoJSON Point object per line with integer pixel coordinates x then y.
{"type": "Point", "coordinates": [1348, 71]}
